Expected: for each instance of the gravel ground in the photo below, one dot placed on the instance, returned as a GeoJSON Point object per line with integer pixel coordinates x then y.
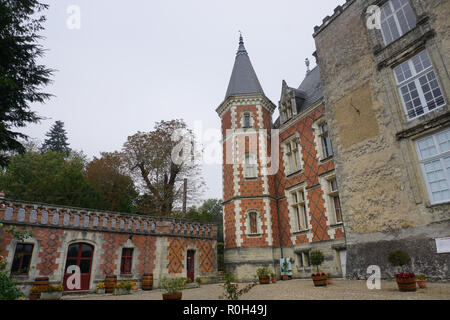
{"type": "Point", "coordinates": [296, 290]}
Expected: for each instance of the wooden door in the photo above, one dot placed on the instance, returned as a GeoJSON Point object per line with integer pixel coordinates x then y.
{"type": "Point", "coordinates": [79, 254]}
{"type": "Point", "coordinates": [190, 265]}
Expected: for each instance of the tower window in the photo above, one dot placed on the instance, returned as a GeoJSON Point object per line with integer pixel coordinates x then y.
{"type": "Point", "coordinates": [247, 120]}
{"type": "Point", "coordinates": [250, 166]}
{"type": "Point", "coordinates": [293, 155]}
{"type": "Point", "coordinates": [253, 217]}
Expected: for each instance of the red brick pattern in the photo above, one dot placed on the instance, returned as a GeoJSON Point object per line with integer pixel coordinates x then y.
{"type": "Point", "coordinates": [147, 257]}
{"type": "Point", "coordinates": [176, 254]}
{"type": "Point", "coordinates": [230, 225]}
{"type": "Point", "coordinates": [50, 240]}
{"type": "Point", "coordinates": [249, 241]}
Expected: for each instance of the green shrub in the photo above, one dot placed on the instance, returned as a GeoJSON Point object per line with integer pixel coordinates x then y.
{"type": "Point", "coordinates": [421, 277]}
{"type": "Point", "coordinates": [316, 258]}
{"type": "Point", "coordinates": [173, 286]}
{"type": "Point", "coordinates": [263, 272]}
{"type": "Point", "coordinates": [8, 289]}
{"type": "Point", "coordinates": [398, 258]}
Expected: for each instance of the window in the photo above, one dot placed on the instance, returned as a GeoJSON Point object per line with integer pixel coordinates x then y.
{"type": "Point", "coordinates": [327, 148]}
{"type": "Point", "coordinates": [397, 18]}
{"type": "Point", "coordinates": [253, 217]}
{"type": "Point", "coordinates": [434, 157]}
{"type": "Point", "coordinates": [418, 86]}
{"type": "Point", "coordinates": [247, 120]}
{"type": "Point", "coordinates": [335, 201]}
{"type": "Point", "coordinates": [293, 155]}
{"type": "Point", "coordinates": [22, 259]}
{"type": "Point", "coordinates": [299, 208]}
{"type": "Point", "coordinates": [250, 170]}
{"type": "Point", "coordinates": [127, 258]}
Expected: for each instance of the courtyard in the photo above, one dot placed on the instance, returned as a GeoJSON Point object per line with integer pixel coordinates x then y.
{"type": "Point", "coordinates": [295, 290]}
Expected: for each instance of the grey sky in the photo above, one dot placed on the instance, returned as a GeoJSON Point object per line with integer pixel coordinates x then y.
{"type": "Point", "coordinates": [136, 62]}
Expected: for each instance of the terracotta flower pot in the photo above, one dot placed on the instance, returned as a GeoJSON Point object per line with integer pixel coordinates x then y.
{"type": "Point", "coordinates": [285, 277]}
{"type": "Point", "coordinates": [134, 287]}
{"type": "Point", "coordinates": [406, 282]}
{"type": "Point", "coordinates": [329, 281]}
{"type": "Point", "coordinates": [176, 296]}
{"type": "Point", "coordinates": [264, 279]}
{"type": "Point", "coordinates": [422, 283]}
{"type": "Point", "coordinates": [274, 279]}
{"type": "Point", "coordinates": [35, 296]}
{"type": "Point", "coordinates": [320, 280]}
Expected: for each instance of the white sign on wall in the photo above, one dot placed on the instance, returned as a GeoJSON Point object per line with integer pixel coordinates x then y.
{"type": "Point", "coordinates": [443, 245]}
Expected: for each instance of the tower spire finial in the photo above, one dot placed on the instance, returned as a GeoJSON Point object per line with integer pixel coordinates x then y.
{"type": "Point", "coordinates": [241, 49]}
{"type": "Point", "coordinates": [307, 66]}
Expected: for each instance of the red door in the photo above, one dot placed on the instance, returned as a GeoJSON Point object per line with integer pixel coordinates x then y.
{"type": "Point", "coordinates": [79, 254]}
{"type": "Point", "coordinates": [190, 265]}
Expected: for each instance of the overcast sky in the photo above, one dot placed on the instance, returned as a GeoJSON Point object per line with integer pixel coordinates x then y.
{"type": "Point", "coordinates": [136, 62]}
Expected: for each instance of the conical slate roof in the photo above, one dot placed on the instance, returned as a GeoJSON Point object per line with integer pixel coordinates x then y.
{"type": "Point", "coordinates": [243, 78]}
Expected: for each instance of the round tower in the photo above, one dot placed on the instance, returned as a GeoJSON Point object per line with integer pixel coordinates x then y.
{"type": "Point", "coordinates": [250, 222]}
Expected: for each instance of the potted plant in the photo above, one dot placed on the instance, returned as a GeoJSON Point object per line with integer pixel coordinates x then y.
{"type": "Point", "coordinates": [317, 258]}
{"type": "Point", "coordinates": [406, 281]}
{"type": "Point", "coordinates": [123, 287]}
{"type": "Point", "coordinates": [100, 288]}
{"type": "Point", "coordinates": [273, 277]}
{"type": "Point", "coordinates": [199, 281]}
{"type": "Point", "coordinates": [173, 288]}
{"type": "Point", "coordinates": [329, 278]}
{"type": "Point", "coordinates": [285, 270]}
{"type": "Point", "coordinates": [263, 275]}
{"type": "Point", "coordinates": [421, 281]}
{"type": "Point", "coordinates": [52, 292]}
{"type": "Point", "coordinates": [134, 286]}
{"type": "Point", "coordinates": [35, 293]}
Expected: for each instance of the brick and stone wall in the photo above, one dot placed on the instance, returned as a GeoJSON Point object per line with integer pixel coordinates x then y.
{"type": "Point", "coordinates": [159, 245]}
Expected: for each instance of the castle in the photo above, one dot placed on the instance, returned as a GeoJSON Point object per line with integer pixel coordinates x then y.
{"type": "Point", "coordinates": [358, 163]}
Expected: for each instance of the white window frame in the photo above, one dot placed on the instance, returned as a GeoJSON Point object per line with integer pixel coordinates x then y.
{"type": "Point", "coordinates": [439, 156]}
{"type": "Point", "coordinates": [394, 16]}
{"type": "Point", "coordinates": [293, 154]}
{"type": "Point", "coordinates": [250, 166]}
{"type": "Point", "coordinates": [298, 202]}
{"type": "Point", "coordinates": [332, 194]}
{"type": "Point", "coordinates": [258, 224]}
{"type": "Point", "coordinates": [415, 78]}
{"type": "Point", "coordinates": [249, 115]}
{"type": "Point", "coordinates": [325, 135]}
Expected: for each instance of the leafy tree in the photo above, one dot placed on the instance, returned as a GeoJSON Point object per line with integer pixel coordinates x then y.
{"type": "Point", "coordinates": [21, 78]}
{"type": "Point", "coordinates": [316, 258]}
{"type": "Point", "coordinates": [57, 139]}
{"type": "Point", "coordinates": [49, 178]}
{"type": "Point", "coordinates": [109, 178]}
{"type": "Point", "coordinates": [149, 158]}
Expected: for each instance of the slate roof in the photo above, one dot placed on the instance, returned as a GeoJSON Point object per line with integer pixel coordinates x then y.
{"type": "Point", "coordinates": [243, 78]}
{"type": "Point", "coordinates": [312, 88]}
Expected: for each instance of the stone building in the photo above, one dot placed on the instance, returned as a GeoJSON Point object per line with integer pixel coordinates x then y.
{"type": "Point", "coordinates": [362, 147]}
{"type": "Point", "coordinates": [103, 243]}
{"type": "Point", "coordinates": [386, 95]}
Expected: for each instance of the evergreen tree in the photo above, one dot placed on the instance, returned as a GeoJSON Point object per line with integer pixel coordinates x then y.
{"type": "Point", "coordinates": [57, 139]}
{"type": "Point", "coordinates": [21, 78]}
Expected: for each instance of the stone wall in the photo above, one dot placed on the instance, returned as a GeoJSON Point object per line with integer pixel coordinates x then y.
{"type": "Point", "coordinates": [383, 195]}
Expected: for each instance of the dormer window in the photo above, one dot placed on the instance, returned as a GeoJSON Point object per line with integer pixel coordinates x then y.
{"type": "Point", "coordinates": [397, 18]}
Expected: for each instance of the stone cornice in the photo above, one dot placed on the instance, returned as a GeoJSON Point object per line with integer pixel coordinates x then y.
{"type": "Point", "coordinates": [245, 100]}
